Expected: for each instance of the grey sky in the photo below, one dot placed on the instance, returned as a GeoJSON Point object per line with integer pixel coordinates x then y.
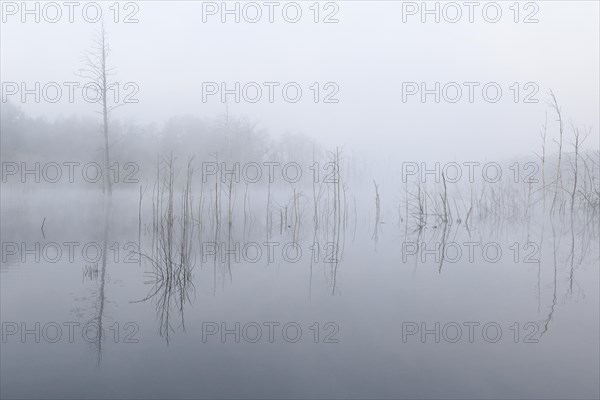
{"type": "Point", "coordinates": [369, 53]}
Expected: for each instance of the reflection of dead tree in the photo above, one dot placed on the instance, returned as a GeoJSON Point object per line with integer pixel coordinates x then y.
{"type": "Point", "coordinates": [140, 224]}
{"type": "Point", "coordinates": [470, 209]}
{"type": "Point", "coordinates": [297, 218]}
{"type": "Point", "coordinates": [315, 247]}
{"type": "Point", "coordinates": [405, 206]}
{"type": "Point", "coordinates": [230, 207]}
{"type": "Point", "coordinates": [216, 222]}
{"type": "Point", "coordinates": [445, 201]}
{"type": "Point", "coordinates": [247, 211]}
{"type": "Point", "coordinates": [555, 246]}
{"type": "Point", "coordinates": [269, 217]}
{"type": "Point", "coordinates": [377, 210]}
{"type": "Point", "coordinates": [172, 259]}
{"type": "Point", "coordinates": [443, 247]}
{"type": "Point", "coordinates": [422, 207]}
{"type": "Point", "coordinates": [416, 208]}
{"type": "Point", "coordinates": [91, 272]}
{"type": "Point", "coordinates": [355, 220]}
{"type": "Point", "coordinates": [156, 203]}
{"type": "Point", "coordinates": [338, 212]}
{"type": "Point", "coordinates": [539, 271]}
{"type": "Point", "coordinates": [42, 228]}
{"type": "Point", "coordinates": [99, 318]}
{"type": "Point", "coordinates": [201, 212]}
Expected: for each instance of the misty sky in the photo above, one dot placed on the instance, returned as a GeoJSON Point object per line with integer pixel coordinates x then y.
{"type": "Point", "coordinates": [368, 54]}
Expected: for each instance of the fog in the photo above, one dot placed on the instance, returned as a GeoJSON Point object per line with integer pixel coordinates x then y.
{"type": "Point", "coordinates": [170, 52]}
{"type": "Point", "coordinates": [300, 199]}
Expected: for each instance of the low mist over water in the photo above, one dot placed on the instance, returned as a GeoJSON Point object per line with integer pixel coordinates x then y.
{"type": "Point", "coordinates": [300, 200]}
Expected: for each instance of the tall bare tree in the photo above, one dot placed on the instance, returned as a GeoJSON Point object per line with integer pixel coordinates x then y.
{"type": "Point", "coordinates": [558, 180]}
{"type": "Point", "coordinates": [96, 69]}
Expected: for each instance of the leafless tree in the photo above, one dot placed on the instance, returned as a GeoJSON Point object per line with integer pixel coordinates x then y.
{"type": "Point", "coordinates": [558, 182]}
{"type": "Point", "coordinates": [97, 71]}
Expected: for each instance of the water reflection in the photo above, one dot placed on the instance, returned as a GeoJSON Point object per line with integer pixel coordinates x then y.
{"type": "Point", "coordinates": [171, 258]}
{"type": "Point", "coordinates": [190, 271]}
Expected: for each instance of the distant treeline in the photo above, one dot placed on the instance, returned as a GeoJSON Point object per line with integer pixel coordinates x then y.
{"type": "Point", "coordinates": [79, 138]}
